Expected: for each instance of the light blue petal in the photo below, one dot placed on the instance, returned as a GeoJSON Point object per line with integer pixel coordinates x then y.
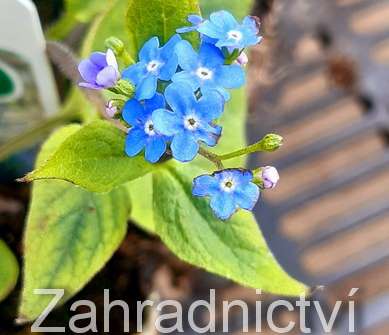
{"type": "Point", "coordinates": [149, 50]}
{"type": "Point", "coordinates": [210, 56]}
{"type": "Point", "coordinates": [180, 97]}
{"type": "Point", "coordinates": [188, 78]}
{"type": "Point", "coordinates": [169, 48]}
{"type": "Point", "coordinates": [242, 176]}
{"type": "Point", "coordinates": [209, 29]}
{"type": "Point", "coordinates": [223, 205]}
{"type": "Point", "coordinates": [147, 88]}
{"type": "Point", "coordinates": [224, 19]}
{"type": "Point", "coordinates": [250, 23]}
{"type": "Point", "coordinates": [169, 68]}
{"type": "Point", "coordinates": [155, 148]}
{"type": "Point", "coordinates": [133, 112]}
{"type": "Point", "coordinates": [204, 185]}
{"type": "Point", "coordinates": [209, 134]}
{"type": "Point", "coordinates": [246, 196]}
{"type": "Point", "coordinates": [195, 19]}
{"type": "Point", "coordinates": [135, 72]}
{"type": "Point", "coordinates": [184, 30]}
{"type": "Point", "coordinates": [187, 57]}
{"type": "Point", "coordinates": [166, 122]}
{"type": "Point", "coordinates": [210, 106]}
{"type": "Point", "coordinates": [156, 102]}
{"type": "Point", "coordinates": [107, 77]}
{"type": "Point", "coordinates": [230, 76]}
{"type": "Point", "coordinates": [184, 147]}
{"type": "Point", "coordinates": [135, 141]}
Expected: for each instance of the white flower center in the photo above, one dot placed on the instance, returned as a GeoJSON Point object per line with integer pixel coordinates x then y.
{"type": "Point", "coordinates": [191, 122]}
{"type": "Point", "coordinates": [228, 184]}
{"type": "Point", "coordinates": [149, 128]}
{"type": "Point", "coordinates": [153, 66]}
{"type": "Point", "coordinates": [204, 73]}
{"type": "Point", "coordinates": [235, 35]}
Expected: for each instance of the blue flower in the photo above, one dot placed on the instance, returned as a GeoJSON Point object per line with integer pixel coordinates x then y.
{"type": "Point", "coordinates": [99, 71]}
{"type": "Point", "coordinates": [154, 63]}
{"type": "Point", "coordinates": [229, 190]}
{"type": "Point", "coordinates": [206, 69]}
{"type": "Point", "coordinates": [190, 122]}
{"type": "Point", "coordinates": [223, 27]}
{"type": "Point", "coordinates": [142, 134]}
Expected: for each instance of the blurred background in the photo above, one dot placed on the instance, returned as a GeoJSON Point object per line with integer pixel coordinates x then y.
{"type": "Point", "coordinates": [320, 79]}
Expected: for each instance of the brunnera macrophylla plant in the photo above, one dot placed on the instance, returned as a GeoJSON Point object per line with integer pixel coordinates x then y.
{"type": "Point", "coordinates": [178, 97]}
{"type": "Point", "coordinates": [168, 153]}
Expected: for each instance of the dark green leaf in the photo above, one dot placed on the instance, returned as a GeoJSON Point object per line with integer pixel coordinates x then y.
{"type": "Point", "coordinates": [9, 270]}
{"type": "Point", "coordinates": [158, 18]}
{"type": "Point", "coordinates": [71, 233]}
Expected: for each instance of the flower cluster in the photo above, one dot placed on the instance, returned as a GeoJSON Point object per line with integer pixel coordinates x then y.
{"type": "Point", "coordinates": [178, 96]}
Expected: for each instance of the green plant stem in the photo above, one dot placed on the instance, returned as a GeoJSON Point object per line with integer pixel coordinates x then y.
{"type": "Point", "coordinates": [215, 159]}
{"type": "Point", "coordinates": [245, 151]}
{"type": "Point", "coordinates": [32, 135]}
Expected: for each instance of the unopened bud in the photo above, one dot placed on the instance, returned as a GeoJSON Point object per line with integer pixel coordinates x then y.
{"type": "Point", "coordinates": [270, 177]}
{"type": "Point", "coordinates": [242, 60]}
{"type": "Point", "coordinates": [113, 107]}
{"type": "Point", "coordinates": [124, 87]}
{"type": "Point", "coordinates": [271, 142]}
{"type": "Point", "coordinates": [115, 44]}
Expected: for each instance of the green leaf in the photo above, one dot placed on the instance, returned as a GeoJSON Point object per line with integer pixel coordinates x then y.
{"type": "Point", "coordinates": [158, 18]}
{"type": "Point", "coordinates": [234, 249]}
{"type": "Point", "coordinates": [9, 270]}
{"type": "Point", "coordinates": [70, 234]}
{"type": "Point", "coordinates": [141, 194]}
{"type": "Point", "coordinates": [94, 158]}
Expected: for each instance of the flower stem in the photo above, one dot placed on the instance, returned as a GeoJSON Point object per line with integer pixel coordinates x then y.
{"type": "Point", "coordinates": [215, 159]}
{"type": "Point", "coordinates": [32, 135]}
{"type": "Point", "coordinates": [245, 151]}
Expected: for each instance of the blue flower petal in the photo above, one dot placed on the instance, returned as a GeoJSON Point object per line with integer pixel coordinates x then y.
{"type": "Point", "coordinates": [223, 205]}
{"type": "Point", "coordinates": [169, 68]}
{"type": "Point", "coordinates": [147, 88]}
{"type": "Point", "coordinates": [242, 176]}
{"type": "Point", "coordinates": [135, 141]}
{"type": "Point", "coordinates": [155, 148]}
{"type": "Point", "coordinates": [166, 122]}
{"type": "Point", "coordinates": [135, 73]}
{"type": "Point", "coordinates": [169, 48]}
{"type": "Point", "coordinates": [187, 57]}
{"type": "Point", "coordinates": [133, 112]}
{"type": "Point", "coordinates": [180, 97]}
{"type": "Point", "coordinates": [156, 102]}
{"type": "Point", "coordinates": [187, 78]}
{"type": "Point", "coordinates": [209, 134]}
{"type": "Point", "coordinates": [246, 196]}
{"type": "Point", "coordinates": [210, 106]}
{"type": "Point", "coordinates": [209, 29]}
{"type": "Point", "coordinates": [224, 19]}
{"type": "Point", "coordinates": [195, 19]}
{"type": "Point", "coordinates": [205, 185]}
{"type": "Point", "coordinates": [184, 147]}
{"type": "Point", "coordinates": [149, 50]}
{"type": "Point", "coordinates": [210, 56]}
{"type": "Point", "coordinates": [230, 76]}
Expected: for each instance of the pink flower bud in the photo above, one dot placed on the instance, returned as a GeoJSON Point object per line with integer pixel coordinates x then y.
{"type": "Point", "coordinates": [111, 109]}
{"type": "Point", "coordinates": [242, 60]}
{"type": "Point", "coordinates": [270, 177]}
